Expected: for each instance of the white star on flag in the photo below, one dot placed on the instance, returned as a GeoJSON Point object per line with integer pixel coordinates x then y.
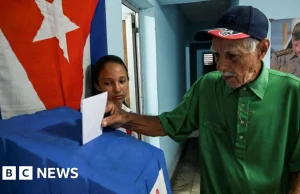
{"type": "Point", "coordinates": [55, 24]}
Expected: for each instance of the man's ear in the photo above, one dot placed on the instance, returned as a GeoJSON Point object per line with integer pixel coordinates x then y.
{"type": "Point", "coordinates": [97, 87]}
{"type": "Point", "coordinates": [263, 48]}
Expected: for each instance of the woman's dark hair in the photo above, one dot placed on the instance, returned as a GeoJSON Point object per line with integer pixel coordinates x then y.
{"type": "Point", "coordinates": [100, 64]}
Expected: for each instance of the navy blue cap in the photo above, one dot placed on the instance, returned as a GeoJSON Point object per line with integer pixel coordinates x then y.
{"type": "Point", "coordinates": [236, 23]}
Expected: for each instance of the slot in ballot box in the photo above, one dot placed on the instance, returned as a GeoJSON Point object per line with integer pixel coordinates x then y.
{"type": "Point", "coordinates": [45, 149]}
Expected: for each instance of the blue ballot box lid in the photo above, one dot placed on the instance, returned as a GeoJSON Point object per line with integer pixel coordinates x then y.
{"type": "Point", "coordinates": [112, 163]}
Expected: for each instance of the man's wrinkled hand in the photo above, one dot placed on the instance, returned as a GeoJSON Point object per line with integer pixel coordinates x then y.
{"type": "Point", "coordinates": [115, 117]}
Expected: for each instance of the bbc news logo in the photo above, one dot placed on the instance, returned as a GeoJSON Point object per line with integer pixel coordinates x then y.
{"type": "Point", "coordinates": [26, 173]}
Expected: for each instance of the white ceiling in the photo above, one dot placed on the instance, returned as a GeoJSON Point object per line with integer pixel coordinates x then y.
{"type": "Point", "coordinates": [200, 10]}
{"type": "Point", "coordinates": [169, 2]}
{"type": "Point", "coordinates": [205, 11]}
{"type": "Point", "coordinates": [195, 10]}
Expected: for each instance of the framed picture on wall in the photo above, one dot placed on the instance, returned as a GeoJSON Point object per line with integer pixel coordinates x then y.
{"type": "Point", "coordinates": [285, 45]}
{"type": "Point", "coordinates": [208, 62]}
{"type": "Point", "coordinates": [208, 58]}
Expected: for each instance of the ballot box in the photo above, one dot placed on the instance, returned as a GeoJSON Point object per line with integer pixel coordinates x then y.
{"type": "Point", "coordinates": [43, 153]}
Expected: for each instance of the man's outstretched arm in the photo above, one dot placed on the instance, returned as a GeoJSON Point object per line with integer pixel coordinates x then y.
{"type": "Point", "coordinates": [295, 186]}
{"type": "Point", "coordinates": [146, 125]}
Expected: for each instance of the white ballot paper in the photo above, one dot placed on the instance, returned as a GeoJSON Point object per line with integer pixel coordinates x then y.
{"type": "Point", "coordinates": [92, 109]}
{"type": "Point", "coordinates": [159, 186]}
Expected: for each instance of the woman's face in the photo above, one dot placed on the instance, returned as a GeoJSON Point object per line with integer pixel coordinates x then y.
{"type": "Point", "coordinates": [113, 79]}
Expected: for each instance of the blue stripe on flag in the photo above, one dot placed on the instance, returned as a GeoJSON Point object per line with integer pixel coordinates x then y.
{"type": "Point", "coordinates": [98, 36]}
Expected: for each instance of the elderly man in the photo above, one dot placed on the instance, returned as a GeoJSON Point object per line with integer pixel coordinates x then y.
{"type": "Point", "coordinates": [288, 60]}
{"type": "Point", "coordinates": [248, 136]}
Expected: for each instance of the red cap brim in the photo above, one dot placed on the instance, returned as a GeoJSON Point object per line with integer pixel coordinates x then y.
{"type": "Point", "coordinates": [228, 34]}
{"type": "Point", "coordinates": [205, 35]}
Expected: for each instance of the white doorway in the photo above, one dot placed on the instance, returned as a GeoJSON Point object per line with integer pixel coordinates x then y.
{"type": "Point", "coordinates": [131, 48]}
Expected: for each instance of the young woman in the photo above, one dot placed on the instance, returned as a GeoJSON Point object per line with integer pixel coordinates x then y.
{"type": "Point", "coordinates": [111, 75]}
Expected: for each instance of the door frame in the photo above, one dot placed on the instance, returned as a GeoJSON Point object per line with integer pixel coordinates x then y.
{"type": "Point", "coordinates": [193, 58]}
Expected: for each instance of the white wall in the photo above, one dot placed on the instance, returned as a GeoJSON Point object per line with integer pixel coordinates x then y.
{"type": "Point", "coordinates": [114, 27]}
{"type": "Point", "coordinates": [126, 10]}
{"type": "Point", "coordinates": [149, 66]}
{"type": "Point", "coordinates": [171, 40]}
{"type": "Point", "coordinates": [163, 44]}
{"type": "Point", "coordinates": [275, 9]}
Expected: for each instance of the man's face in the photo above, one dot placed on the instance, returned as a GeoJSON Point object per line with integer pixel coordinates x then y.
{"type": "Point", "coordinates": [296, 46]}
{"type": "Point", "coordinates": [237, 64]}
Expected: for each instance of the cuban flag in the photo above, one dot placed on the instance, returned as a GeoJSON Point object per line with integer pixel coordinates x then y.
{"type": "Point", "coordinates": [46, 49]}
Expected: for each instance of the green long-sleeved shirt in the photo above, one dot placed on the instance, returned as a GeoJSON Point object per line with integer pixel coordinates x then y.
{"type": "Point", "coordinates": [249, 137]}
